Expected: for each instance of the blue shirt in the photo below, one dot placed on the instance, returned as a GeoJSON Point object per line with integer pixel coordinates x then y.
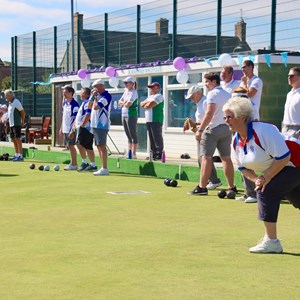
{"type": "Point", "coordinates": [100, 118]}
{"type": "Point", "coordinates": [69, 114]}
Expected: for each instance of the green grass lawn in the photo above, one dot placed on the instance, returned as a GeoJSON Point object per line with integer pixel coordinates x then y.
{"type": "Point", "coordinates": [64, 237]}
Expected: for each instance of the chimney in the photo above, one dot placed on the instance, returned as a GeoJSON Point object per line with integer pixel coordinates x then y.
{"type": "Point", "coordinates": [162, 27]}
{"type": "Point", "coordinates": [78, 23]}
{"type": "Point", "coordinates": [240, 30]}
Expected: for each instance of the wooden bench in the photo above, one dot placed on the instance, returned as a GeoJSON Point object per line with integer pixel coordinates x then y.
{"type": "Point", "coordinates": [33, 124]}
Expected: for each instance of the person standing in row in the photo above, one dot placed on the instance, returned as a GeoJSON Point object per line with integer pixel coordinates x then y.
{"type": "Point", "coordinates": [85, 139]}
{"type": "Point", "coordinates": [253, 85]}
{"type": "Point", "coordinates": [129, 103]}
{"type": "Point", "coordinates": [228, 83]}
{"type": "Point", "coordinates": [214, 134]}
{"type": "Point", "coordinates": [195, 93]}
{"type": "Point", "coordinates": [70, 109]}
{"type": "Point", "coordinates": [100, 121]}
{"type": "Point", "coordinates": [154, 114]}
{"type": "Point", "coordinates": [16, 117]}
{"type": "Point", "coordinates": [291, 117]}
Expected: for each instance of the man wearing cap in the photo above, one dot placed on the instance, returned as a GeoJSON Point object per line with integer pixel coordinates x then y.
{"type": "Point", "coordinates": [129, 103]}
{"type": "Point", "coordinates": [195, 93]}
{"type": "Point", "coordinates": [154, 115]}
{"type": "Point", "coordinates": [100, 121]}
{"type": "Point", "coordinates": [70, 109]}
{"type": "Point", "coordinates": [16, 117]}
{"type": "Point", "coordinates": [228, 83]}
{"type": "Point", "coordinates": [213, 133]}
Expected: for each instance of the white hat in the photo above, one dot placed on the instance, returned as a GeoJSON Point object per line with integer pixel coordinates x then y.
{"type": "Point", "coordinates": [98, 81]}
{"type": "Point", "coordinates": [192, 90]}
{"type": "Point", "coordinates": [129, 79]}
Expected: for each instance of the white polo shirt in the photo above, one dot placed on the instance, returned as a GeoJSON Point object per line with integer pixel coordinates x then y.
{"type": "Point", "coordinates": [292, 108]}
{"type": "Point", "coordinates": [257, 84]}
{"type": "Point", "coordinates": [264, 145]}
{"type": "Point", "coordinates": [230, 86]}
{"type": "Point", "coordinates": [201, 108]}
{"type": "Point", "coordinates": [219, 97]}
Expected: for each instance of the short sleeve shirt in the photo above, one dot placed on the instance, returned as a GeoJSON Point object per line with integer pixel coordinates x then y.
{"type": "Point", "coordinates": [264, 144]}
{"type": "Point", "coordinates": [14, 115]}
{"type": "Point", "coordinates": [70, 110]}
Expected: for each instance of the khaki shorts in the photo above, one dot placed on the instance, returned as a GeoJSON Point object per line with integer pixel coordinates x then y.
{"type": "Point", "coordinates": [216, 138]}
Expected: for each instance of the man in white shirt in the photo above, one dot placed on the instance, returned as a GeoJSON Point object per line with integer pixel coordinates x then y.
{"type": "Point", "coordinates": [228, 83]}
{"type": "Point", "coordinates": [253, 85]}
{"type": "Point", "coordinates": [291, 117]}
{"type": "Point", "coordinates": [214, 134]}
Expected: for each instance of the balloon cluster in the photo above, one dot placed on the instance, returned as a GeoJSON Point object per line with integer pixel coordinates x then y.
{"type": "Point", "coordinates": [83, 75]}
{"type": "Point", "coordinates": [180, 65]}
{"type": "Point", "coordinates": [113, 80]}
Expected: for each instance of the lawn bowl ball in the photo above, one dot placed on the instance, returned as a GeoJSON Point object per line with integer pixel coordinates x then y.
{"type": "Point", "coordinates": [6, 157]}
{"type": "Point", "coordinates": [1, 157]}
{"type": "Point", "coordinates": [230, 194]}
{"type": "Point", "coordinates": [41, 168]}
{"type": "Point", "coordinates": [47, 168]}
{"type": "Point", "coordinates": [222, 194]}
{"type": "Point", "coordinates": [167, 181]}
{"type": "Point", "coordinates": [32, 166]}
{"type": "Point", "coordinates": [56, 168]}
{"type": "Point", "coordinates": [173, 183]}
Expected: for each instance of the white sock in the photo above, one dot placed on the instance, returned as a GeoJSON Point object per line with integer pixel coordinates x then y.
{"type": "Point", "coordinates": [84, 161]}
{"type": "Point", "coordinates": [93, 164]}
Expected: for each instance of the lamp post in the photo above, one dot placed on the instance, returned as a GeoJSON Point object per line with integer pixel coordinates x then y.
{"type": "Point", "coordinates": [72, 33]}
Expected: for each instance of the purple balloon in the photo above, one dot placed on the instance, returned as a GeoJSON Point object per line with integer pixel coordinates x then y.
{"type": "Point", "coordinates": [237, 74]}
{"type": "Point", "coordinates": [179, 63]}
{"type": "Point", "coordinates": [81, 73]}
{"type": "Point", "coordinates": [110, 71]}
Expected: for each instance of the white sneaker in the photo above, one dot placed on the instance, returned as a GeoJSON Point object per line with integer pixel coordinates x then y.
{"type": "Point", "coordinates": [212, 186]}
{"type": "Point", "coordinates": [266, 245]}
{"type": "Point", "coordinates": [70, 167]}
{"type": "Point", "coordinates": [250, 200]}
{"type": "Point", "coordinates": [101, 172]}
{"type": "Point", "coordinates": [242, 198]}
{"type": "Point", "coordinates": [134, 156]}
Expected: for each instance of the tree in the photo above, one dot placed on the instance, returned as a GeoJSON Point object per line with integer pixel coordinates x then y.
{"type": "Point", "coordinates": [6, 83]}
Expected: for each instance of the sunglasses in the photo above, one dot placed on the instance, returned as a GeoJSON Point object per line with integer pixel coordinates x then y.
{"type": "Point", "coordinates": [243, 67]}
{"type": "Point", "coordinates": [292, 75]}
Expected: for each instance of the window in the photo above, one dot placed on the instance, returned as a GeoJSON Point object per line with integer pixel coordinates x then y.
{"type": "Point", "coordinates": [179, 108]}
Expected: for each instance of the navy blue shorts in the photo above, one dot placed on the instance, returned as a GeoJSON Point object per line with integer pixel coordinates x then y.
{"type": "Point", "coordinates": [285, 185]}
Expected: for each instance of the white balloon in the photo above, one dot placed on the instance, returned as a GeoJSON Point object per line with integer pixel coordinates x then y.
{"type": "Point", "coordinates": [86, 82]}
{"type": "Point", "coordinates": [225, 59]}
{"type": "Point", "coordinates": [182, 77]}
{"type": "Point", "coordinates": [113, 82]}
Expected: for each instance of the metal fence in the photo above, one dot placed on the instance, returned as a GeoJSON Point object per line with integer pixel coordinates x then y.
{"type": "Point", "coordinates": [153, 32]}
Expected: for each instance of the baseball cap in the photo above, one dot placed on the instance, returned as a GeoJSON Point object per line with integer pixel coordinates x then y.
{"type": "Point", "coordinates": [192, 90]}
{"type": "Point", "coordinates": [98, 81]}
{"type": "Point", "coordinates": [154, 84]}
{"type": "Point", "coordinates": [129, 79]}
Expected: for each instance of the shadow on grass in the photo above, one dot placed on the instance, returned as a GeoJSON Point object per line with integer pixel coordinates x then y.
{"type": "Point", "coordinates": [9, 175]}
{"type": "Point", "coordinates": [290, 253]}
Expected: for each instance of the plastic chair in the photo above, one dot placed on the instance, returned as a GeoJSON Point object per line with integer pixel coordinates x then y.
{"type": "Point", "coordinates": [43, 132]}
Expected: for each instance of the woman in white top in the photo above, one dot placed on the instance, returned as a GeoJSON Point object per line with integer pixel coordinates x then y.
{"type": "Point", "coordinates": [129, 103]}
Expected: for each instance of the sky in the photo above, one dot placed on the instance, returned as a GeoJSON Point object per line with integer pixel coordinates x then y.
{"type": "Point", "coordinates": [19, 17]}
